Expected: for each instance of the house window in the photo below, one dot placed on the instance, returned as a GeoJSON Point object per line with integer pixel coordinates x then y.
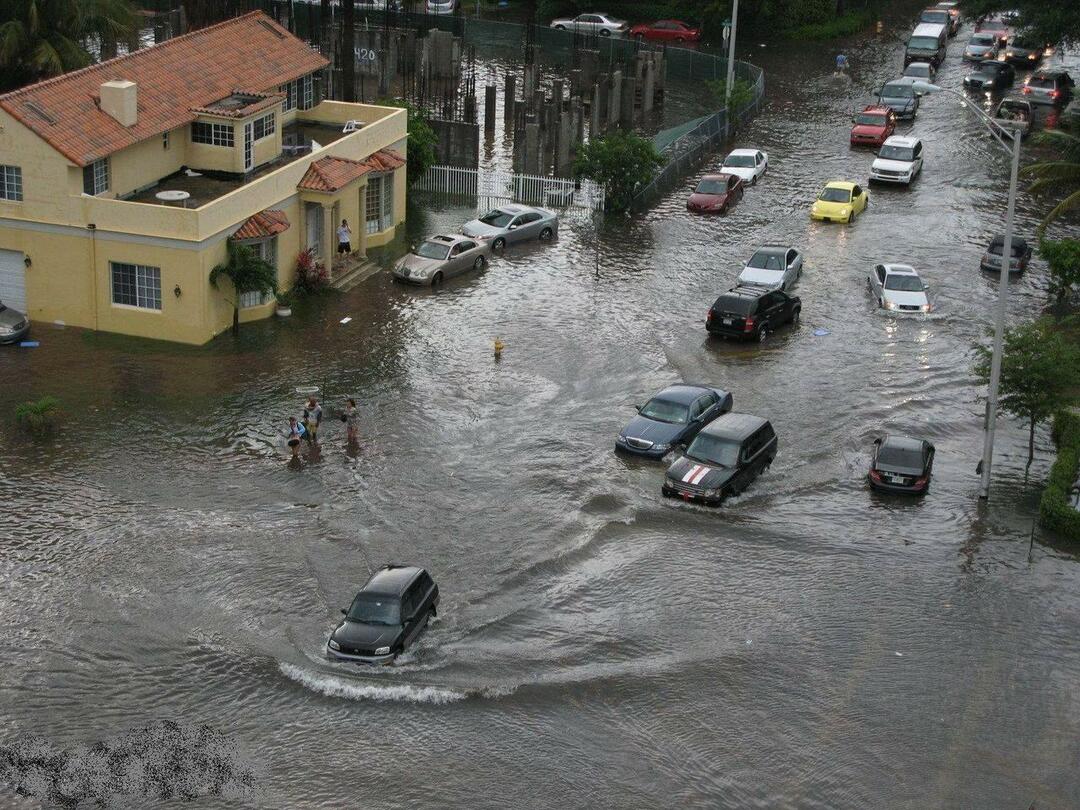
{"type": "Point", "coordinates": [379, 203]}
{"type": "Point", "coordinates": [254, 299]}
{"type": "Point", "coordinates": [386, 215]}
{"type": "Point", "coordinates": [11, 183]}
{"type": "Point", "coordinates": [290, 96]}
{"type": "Point", "coordinates": [164, 140]}
{"type": "Point", "coordinates": [136, 285]}
{"type": "Point", "coordinates": [212, 134]}
{"type": "Point", "coordinates": [264, 127]}
{"type": "Point", "coordinates": [267, 251]}
{"type": "Point", "coordinates": [307, 92]}
{"type": "Point", "coordinates": [95, 177]}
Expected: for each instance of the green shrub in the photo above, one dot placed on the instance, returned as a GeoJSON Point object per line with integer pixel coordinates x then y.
{"type": "Point", "coordinates": [1055, 511]}
{"type": "Point", "coordinates": [742, 92]}
{"type": "Point", "coordinates": [40, 416]}
{"type": "Point", "coordinates": [843, 26]}
{"type": "Point", "coordinates": [623, 162]}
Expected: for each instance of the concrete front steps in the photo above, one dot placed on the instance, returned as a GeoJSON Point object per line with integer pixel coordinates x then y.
{"type": "Point", "coordinates": [357, 270]}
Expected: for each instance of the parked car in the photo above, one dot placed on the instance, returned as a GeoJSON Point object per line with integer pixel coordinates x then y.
{"type": "Point", "coordinates": [671, 419]}
{"type": "Point", "coordinates": [1021, 254]}
{"type": "Point", "coordinates": [513, 223]}
{"type": "Point", "coordinates": [723, 460]}
{"type": "Point", "coordinates": [1023, 52]}
{"type": "Point", "coordinates": [1015, 113]}
{"type": "Point", "coordinates": [440, 257]}
{"type": "Point", "coordinates": [901, 464]}
{"type": "Point", "coordinates": [749, 164]}
{"type": "Point", "coordinates": [715, 194]}
{"type": "Point", "coordinates": [990, 76]}
{"type": "Point", "coordinates": [954, 16]}
{"type": "Point", "coordinates": [898, 288]}
{"type": "Point", "coordinates": [900, 160]}
{"type": "Point", "coordinates": [839, 201]}
{"type": "Point", "coordinates": [774, 267]}
{"type": "Point", "coordinates": [925, 71]}
{"type": "Point", "coordinates": [997, 26]}
{"type": "Point", "coordinates": [1049, 87]}
{"type": "Point", "coordinates": [982, 46]}
{"type": "Point", "coordinates": [666, 31]}
{"type": "Point", "coordinates": [935, 15]}
{"type": "Point", "coordinates": [600, 24]}
{"type": "Point", "coordinates": [873, 126]}
{"type": "Point", "coordinates": [927, 43]}
{"type": "Point", "coordinates": [386, 616]}
{"type": "Point", "coordinates": [13, 324]}
{"type": "Point", "coordinates": [442, 6]}
{"type": "Point", "coordinates": [751, 313]}
{"type": "Point", "coordinates": [900, 97]}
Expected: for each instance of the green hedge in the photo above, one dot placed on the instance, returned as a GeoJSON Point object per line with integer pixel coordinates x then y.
{"type": "Point", "coordinates": [1055, 511]}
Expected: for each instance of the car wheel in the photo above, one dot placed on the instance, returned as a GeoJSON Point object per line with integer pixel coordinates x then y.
{"type": "Point", "coordinates": [546, 234]}
{"type": "Point", "coordinates": [881, 302]}
{"type": "Point", "coordinates": [763, 334]}
{"type": "Point", "coordinates": [437, 279]}
{"type": "Point", "coordinates": [498, 244]}
{"type": "Point", "coordinates": [479, 263]}
{"type": "Point", "coordinates": [753, 180]}
{"type": "Point", "coordinates": [851, 218]}
{"type": "Point", "coordinates": [560, 27]}
{"type": "Point", "coordinates": [604, 32]}
{"type": "Point", "coordinates": [795, 316]}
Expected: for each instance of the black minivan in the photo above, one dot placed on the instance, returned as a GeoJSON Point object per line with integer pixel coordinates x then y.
{"type": "Point", "coordinates": [386, 615]}
{"type": "Point", "coordinates": [751, 313]}
{"type": "Point", "coordinates": [723, 459]}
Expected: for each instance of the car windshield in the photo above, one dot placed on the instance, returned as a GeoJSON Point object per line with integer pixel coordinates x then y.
{"type": "Point", "coordinates": [892, 152]}
{"type": "Point", "coordinates": [497, 218]}
{"type": "Point", "coordinates": [835, 195]}
{"type": "Point", "coordinates": [714, 450]}
{"type": "Point", "coordinates": [897, 91]}
{"type": "Point", "coordinates": [740, 161]}
{"type": "Point", "coordinates": [664, 410]}
{"type": "Point", "coordinates": [998, 248]}
{"type": "Point", "coordinates": [375, 610]}
{"type": "Point", "coordinates": [432, 250]}
{"type": "Point", "coordinates": [766, 261]}
{"type": "Point", "coordinates": [982, 39]}
{"type": "Point", "coordinates": [923, 43]}
{"type": "Point", "coordinates": [1041, 81]}
{"type": "Point", "coordinates": [869, 120]}
{"type": "Point", "coordinates": [711, 187]}
{"type": "Point", "coordinates": [900, 457]}
{"type": "Point", "coordinates": [918, 71]}
{"type": "Point", "coordinates": [903, 283]}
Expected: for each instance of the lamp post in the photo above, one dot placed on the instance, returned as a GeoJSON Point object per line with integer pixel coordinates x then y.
{"type": "Point", "coordinates": [731, 54]}
{"type": "Point", "coordinates": [998, 129]}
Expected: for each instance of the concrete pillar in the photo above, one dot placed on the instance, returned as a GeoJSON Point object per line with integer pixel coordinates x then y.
{"type": "Point", "coordinates": [532, 148]}
{"type": "Point", "coordinates": [557, 88]}
{"type": "Point", "coordinates": [600, 106]}
{"type": "Point", "coordinates": [563, 149]}
{"type": "Point", "coordinates": [509, 91]}
{"type": "Point", "coordinates": [648, 88]}
{"type": "Point", "coordinates": [528, 88]}
{"type": "Point", "coordinates": [577, 119]}
{"type": "Point", "coordinates": [576, 87]}
{"type": "Point", "coordinates": [470, 108]}
{"type": "Point", "coordinates": [627, 111]}
{"type": "Point", "coordinates": [614, 113]}
{"type": "Point", "coordinates": [327, 246]}
{"type": "Point", "coordinates": [489, 110]}
{"type": "Point", "coordinates": [590, 66]}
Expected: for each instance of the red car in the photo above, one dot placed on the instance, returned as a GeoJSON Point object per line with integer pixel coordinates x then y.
{"type": "Point", "coordinates": [715, 194]}
{"type": "Point", "coordinates": [666, 31]}
{"type": "Point", "coordinates": [872, 126]}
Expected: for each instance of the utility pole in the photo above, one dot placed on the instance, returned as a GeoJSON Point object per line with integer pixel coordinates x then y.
{"type": "Point", "coordinates": [731, 54]}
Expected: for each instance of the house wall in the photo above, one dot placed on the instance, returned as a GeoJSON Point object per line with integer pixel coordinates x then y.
{"type": "Point", "coordinates": [143, 164]}
{"type": "Point", "coordinates": [47, 183]}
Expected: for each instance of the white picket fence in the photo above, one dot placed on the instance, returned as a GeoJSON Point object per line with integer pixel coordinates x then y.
{"type": "Point", "coordinates": [492, 187]}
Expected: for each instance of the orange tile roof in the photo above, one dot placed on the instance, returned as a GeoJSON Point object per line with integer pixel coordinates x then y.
{"type": "Point", "coordinates": [334, 173]}
{"type": "Point", "coordinates": [191, 71]}
{"type": "Point", "coordinates": [263, 224]}
{"type": "Point", "coordinates": [256, 102]}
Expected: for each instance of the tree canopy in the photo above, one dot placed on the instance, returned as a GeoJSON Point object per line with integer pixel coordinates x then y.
{"type": "Point", "coordinates": [622, 162]}
{"type": "Point", "coordinates": [1052, 21]}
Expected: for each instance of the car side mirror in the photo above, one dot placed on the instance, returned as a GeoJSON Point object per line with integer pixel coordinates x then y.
{"type": "Point", "coordinates": [512, 227]}
{"type": "Point", "coordinates": [877, 442]}
{"type": "Point", "coordinates": [925, 286]}
{"type": "Point", "coordinates": [344, 612]}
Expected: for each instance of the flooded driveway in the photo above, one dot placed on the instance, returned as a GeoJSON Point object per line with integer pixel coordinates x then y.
{"type": "Point", "coordinates": [807, 645]}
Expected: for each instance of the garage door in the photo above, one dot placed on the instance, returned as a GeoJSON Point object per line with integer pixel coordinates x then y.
{"type": "Point", "coordinates": [13, 279]}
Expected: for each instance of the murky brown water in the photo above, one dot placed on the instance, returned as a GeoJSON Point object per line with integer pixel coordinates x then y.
{"type": "Point", "coordinates": [808, 645]}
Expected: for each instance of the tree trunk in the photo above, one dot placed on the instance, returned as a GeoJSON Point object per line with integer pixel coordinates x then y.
{"type": "Point", "coordinates": [236, 320]}
{"type": "Point", "coordinates": [348, 51]}
{"type": "Point", "coordinates": [1031, 442]}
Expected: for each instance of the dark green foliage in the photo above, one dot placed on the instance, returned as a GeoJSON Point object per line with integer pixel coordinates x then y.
{"type": "Point", "coordinates": [1055, 511]}
{"type": "Point", "coordinates": [623, 162]}
{"type": "Point", "coordinates": [422, 140]}
{"type": "Point", "coordinates": [843, 26]}
{"type": "Point", "coordinates": [1051, 21]}
{"type": "Point", "coordinates": [1058, 176]}
{"type": "Point", "coordinates": [247, 272]}
{"type": "Point", "coordinates": [39, 416]}
{"type": "Point", "coordinates": [1063, 256]}
{"type": "Point", "coordinates": [742, 92]}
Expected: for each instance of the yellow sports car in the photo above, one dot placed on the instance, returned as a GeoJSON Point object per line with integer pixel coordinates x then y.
{"type": "Point", "coordinates": [839, 202]}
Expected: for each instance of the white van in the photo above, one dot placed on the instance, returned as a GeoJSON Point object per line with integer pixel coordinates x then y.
{"type": "Point", "coordinates": [927, 44]}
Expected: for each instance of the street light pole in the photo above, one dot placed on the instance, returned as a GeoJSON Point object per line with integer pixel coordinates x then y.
{"type": "Point", "coordinates": [731, 54]}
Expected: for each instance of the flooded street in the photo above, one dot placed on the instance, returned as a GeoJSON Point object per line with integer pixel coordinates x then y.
{"type": "Point", "coordinates": [808, 644]}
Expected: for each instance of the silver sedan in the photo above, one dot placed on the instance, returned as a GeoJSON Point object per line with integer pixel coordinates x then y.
{"type": "Point", "coordinates": [513, 223]}
{"type": "Point", "coordinates": [441, 256]}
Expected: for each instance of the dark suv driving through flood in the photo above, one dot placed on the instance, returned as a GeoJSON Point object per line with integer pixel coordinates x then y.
{"type": "Point", "coordinates": [723, 460]}
{"type": "Point", "coordinates": [386, 615]}
{"type": "Point", "coordinates": [751, 313]}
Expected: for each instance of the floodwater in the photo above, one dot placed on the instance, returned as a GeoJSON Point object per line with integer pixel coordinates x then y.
{"type": "Point", "coordinates": [807, 645]}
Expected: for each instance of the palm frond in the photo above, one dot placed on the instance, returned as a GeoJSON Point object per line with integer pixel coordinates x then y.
{"type": "Point", "coordinates": [1057, 168]}
{"type": "Point", "coordinates": [1070, 203]}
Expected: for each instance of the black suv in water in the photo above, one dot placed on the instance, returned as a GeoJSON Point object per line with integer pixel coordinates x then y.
{"type": "Point", "coordinates": [752, 312]}
{"type": "Point", "coordinates": [386, 616]}
{"type": "Point", "coordinates": [901, 464]}
{"type": "Point", "coordinates": [723, 459]}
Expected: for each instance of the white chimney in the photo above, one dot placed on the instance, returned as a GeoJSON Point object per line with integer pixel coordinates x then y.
{"type": "Point", "coordinates": [119, 99]}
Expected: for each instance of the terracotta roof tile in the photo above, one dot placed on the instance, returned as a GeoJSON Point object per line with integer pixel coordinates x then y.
{"type": "Point", "coordinates": [263, 224]}
{"type": "Point", "coordinates": [256, 102]}
{"type": "Point", "coordinates": [187, 72]}
{"type": "Point", "coordinates": [334, 173]}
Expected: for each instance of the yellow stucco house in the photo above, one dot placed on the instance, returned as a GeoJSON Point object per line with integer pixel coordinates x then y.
{"type": "Point", "coordinates": [122, 183]}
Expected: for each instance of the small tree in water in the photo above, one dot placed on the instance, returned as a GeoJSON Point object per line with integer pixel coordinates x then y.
{"type": "Point", "coordinates": [1064, 259]}
{"type": "Point", "coordinates": [248, 273]}
{"type": "Point", "coordinates": [40, 416]}
{"type": "Point", "coordinates": [1039, 370]}
{"type": "Point", "coordinates": [622, 162]}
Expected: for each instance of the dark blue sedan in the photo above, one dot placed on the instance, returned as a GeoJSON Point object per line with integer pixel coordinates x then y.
{"type": "Point", "coordinates": [671, 418]}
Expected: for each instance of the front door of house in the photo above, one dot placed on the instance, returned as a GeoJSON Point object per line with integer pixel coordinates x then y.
{"type": "Point", "coordinates": [313, 216]}
{"type": "Point", "coordinates": [249, 155]}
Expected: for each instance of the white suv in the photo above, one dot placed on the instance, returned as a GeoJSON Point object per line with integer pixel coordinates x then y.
{"type": "Point", "coordinates": [899, 161]}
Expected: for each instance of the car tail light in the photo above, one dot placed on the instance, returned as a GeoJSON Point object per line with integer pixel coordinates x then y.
{"type": "Point", "coordinates": [874, 474]}
{"type": "Point", "coordinates": [1055, 94]}
{"type": "Point", "coordinates": [1027, 90]}
{"type": "Point", "coordinates": [920, 481]}
{"type": "Point", "coordinates": [749, 325]}
{"type": "Point", "coordinates": [708, 317]}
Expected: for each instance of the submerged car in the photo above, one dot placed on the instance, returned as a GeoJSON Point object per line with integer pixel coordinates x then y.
{"type": "Point", "coordinates": [990, 76]}
{"type": "Point", "coordinates": [723, 460]}
{"type": "Point", "coordinates": [900, 160]}
{"type": "Point", "coordinates": [839, 201]}
{"type": "Point", "coordinates": [603, 25]}
{"type": "Point", "coordinates": [901, 464]}
{"type": "Point", "coordinates": [751, 313]}
{"type": "Point", "coordinates": [898, 288]}
{"type": "Point", "coordinates": [982, 46]}
{"type": "Point", "coordinates": [439, 257]}
{"type": "Point", "coordinates": [900, 97]}
{"type": "Point", "coordinates": [1049, 87]}
{"type": "Point", "coordinates": [1015, 114]}
{"type": "Point", "coordinates": [1021, 254]}
{"type": "Point", "coordinates": [873, 126]}
{"type": "Point", "coordinates": [920, 70]}
{"type": "Point", "coordinates": [1024, 53]}
{"type": "Point", "coordinates": [13, 324]}
{"type": "Point", "coordinates": [513, 223]}
{"type": "Point", "coordinates": [774, 267]}
{"type": "Point", "coordinates": [666, 31]}
{"type": "Point", "coordinates": [749, 164]}
{"type": "Point", "coordinates": [386, 616]}
{"type": "Point", "coordinates": [671, 419]}
{"type": "Point", "coordinates": [954, 17]}
{"type": "Point", "coordinates": [715, 194]}
{"type": "Point", "coordinates": [996, 26]}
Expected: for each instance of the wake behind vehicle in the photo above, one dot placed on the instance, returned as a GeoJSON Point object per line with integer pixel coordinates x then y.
{"type": "Point", "coordinates": [513, 223]}
{"type": "Point", "coordinates": [900, 160]}
{"type": "Point", "coordinates": [901, 464]}
{"type": "Point", "coordinates": [749, 164]}
{"type": "Point", "coordinates": [839, 201]}
{"type": "Point", "coordinates": [990, 76]}
{"type": "Point", "coordinates": [773, 267]}
{"type": "Point", "coordinates": [1021, 254]}
{"type": "Point", "coordinates": [675, 31]}
{"type": "Point", "coordinates": [603, 25]}
{"type": "Point", "coordinates": [900, 97]}
{"type": "Point", "coordinates": [715, 194]}
{"type": "Point", "coordinates": [13, 324]}
{"type": "Point", "coordinates": [671, 419]}
{"type": "Point", "coordinates": [386, 616]}
{"type": "Point", "coordinates": [898, 288]}
{"type": "Point", "coordinates": [982, 46]}
{"type": "Point", "coordinates": [723, 460]}
{"type": "Point", "coordinates": [440, 257]}
{"type": "Point", "coordinates": [751, 313]}
{"type": "Point", "coordinates": [873, 126]}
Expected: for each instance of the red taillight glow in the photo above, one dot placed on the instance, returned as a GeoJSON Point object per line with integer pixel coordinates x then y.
{"type": "Point", "coordinates": [1055, 94]}
{"type": "Point", "coordinates": [1027, 90]}
{"type": "Point", "coordinates": [920, 482]}
{"type": "Point", "coordinates": [749, 325]}
{"type": "Point", "coordinates": [874, 474]}
{"type": "Point", "coordinates": [709, 316]}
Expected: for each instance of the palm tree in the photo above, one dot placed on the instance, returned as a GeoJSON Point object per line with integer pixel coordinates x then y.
{"type": "Point", "coordinates": [42, 38]}
{"type": "Point", "coordinates": [1058, 175]}
{"type": "Point", "coordinates": [248, 273]}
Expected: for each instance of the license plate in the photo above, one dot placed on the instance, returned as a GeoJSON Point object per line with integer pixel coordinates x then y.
{"type": "Point", "coordinates": [728, 321]}
{"type": "Point", "coordinates": [895, 479]}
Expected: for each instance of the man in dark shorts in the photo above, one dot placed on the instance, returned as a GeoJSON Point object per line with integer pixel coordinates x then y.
{"type": "Point", "coordinates": [344, 237]}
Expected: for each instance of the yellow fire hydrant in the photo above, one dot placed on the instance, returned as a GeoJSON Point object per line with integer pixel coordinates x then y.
{"type": "Point", "coordinates": [499, 345]}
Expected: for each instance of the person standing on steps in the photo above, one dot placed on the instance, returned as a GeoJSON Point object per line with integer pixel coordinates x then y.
{"type": "Point", "coordinates": [351, 418]}
{"type": "Point", "coordinates": [312, 420]}
{"type": "Point", "coordinates": [344, 237]}
{"type": "Point", "coordinates": [296, 433]}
